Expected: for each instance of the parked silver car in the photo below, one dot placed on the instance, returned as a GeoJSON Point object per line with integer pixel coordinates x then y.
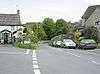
{"type": "Point", "coordinates": [68, 43]}
{"type": "Point", "coordinates": [56, 43]}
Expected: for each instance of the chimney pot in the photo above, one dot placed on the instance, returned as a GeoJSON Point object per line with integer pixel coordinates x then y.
{"type": "Point", "coordinates": [18, 11]}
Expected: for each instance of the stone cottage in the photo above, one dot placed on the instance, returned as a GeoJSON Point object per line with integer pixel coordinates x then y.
{"type": "Point", "coordinates": [91, 17]}
{"type": "Point", "coordinates": [9, 24]}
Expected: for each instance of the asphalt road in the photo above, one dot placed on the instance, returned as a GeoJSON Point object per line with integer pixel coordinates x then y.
{"type": "Point", "coordinates": [15, 61]}
{"type": "Point", "coordinates": [68, 61]}
{"type": "Point", "coordinates": [49, 60]}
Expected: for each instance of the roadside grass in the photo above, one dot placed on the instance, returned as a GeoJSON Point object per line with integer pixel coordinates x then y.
{"type": "Point", "coordinates": [30, 46]}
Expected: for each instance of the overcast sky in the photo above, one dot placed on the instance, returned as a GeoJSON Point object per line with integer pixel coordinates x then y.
{"type": "Point", "coordinates": [37, 10]}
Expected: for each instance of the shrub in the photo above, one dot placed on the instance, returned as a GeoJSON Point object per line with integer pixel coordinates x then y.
{"type": "Point", "coordinates": [78, 36]}
{"type": "Point", "coordinates": [25, 46]}
{"type": "Point", "coordinates": [91, 33]}
{"type": "Point", "coordinates": [81, 38]}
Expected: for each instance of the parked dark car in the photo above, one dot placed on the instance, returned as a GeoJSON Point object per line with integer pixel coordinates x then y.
{"type": "Point", "coordinates": [87, 44]}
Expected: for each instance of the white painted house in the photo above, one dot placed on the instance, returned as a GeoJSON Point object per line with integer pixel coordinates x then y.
{"type": "Point", "coordinates": [9, 24]}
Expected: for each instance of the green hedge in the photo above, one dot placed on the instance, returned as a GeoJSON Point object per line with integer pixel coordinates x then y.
{"type": "Point", "coordinates": [25, 46]}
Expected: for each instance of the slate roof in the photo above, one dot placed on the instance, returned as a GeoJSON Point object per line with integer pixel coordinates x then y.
{"type": "Point", "coordinates": [89, 11]}
{"type": "Point", "coordinates": [10, 19]}
{"type": "Point", "coordinates": [5, 30]}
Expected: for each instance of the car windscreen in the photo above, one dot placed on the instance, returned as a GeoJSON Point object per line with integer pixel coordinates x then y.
{"type": "Point", "coordinates": [88, 41]}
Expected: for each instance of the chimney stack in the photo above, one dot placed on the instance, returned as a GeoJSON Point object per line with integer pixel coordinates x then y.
{"type": "Point", "coordinates": [18, 11]}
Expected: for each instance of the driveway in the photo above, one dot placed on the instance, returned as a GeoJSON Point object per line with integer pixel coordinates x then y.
{"type": "Point", "coordinates": [15, 61]}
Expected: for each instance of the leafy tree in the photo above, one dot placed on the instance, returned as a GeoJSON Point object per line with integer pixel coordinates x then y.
{"type": "Point", "coordinates": [49, 28]}
{"type": "Point", "coordinates": [27, 34]}
{"type": "Point", "coordinates": [61, 26]}
{"type": "Point", "coordinates": [39, 31]}
{"type": "Point", "coordinates": [70, 28]}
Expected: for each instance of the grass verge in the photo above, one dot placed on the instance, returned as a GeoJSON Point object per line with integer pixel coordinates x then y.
{"type": "Point", "coordinates": [31, 46]}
